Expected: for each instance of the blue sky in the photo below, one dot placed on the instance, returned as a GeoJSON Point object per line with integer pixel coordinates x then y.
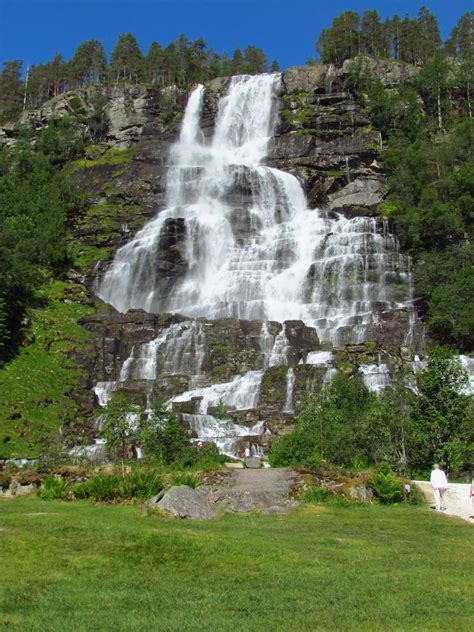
{"type": "Point", "coordinates": [34, 30]}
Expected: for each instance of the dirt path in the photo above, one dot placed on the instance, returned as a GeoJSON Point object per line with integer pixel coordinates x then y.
{"type": "Point", "coordinates": [458, 502]}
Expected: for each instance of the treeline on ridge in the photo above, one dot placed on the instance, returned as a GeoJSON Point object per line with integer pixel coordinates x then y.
{"type": "Point", "coordinates": [404, 39]}
{"type": "Point", "coordinates": [181, 63]}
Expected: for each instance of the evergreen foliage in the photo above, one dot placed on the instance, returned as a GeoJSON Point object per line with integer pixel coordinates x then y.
{"type": "Point", "coordinates": [411, 40]}
{"type": "Point", "coordinates": [182, 63]}
{"type": "Point", "coordinates": [36, 199]}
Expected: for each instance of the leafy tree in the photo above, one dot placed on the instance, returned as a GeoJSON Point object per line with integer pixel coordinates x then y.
{"type": "Point", "coordinates": [442, 413]}
{"type": "Point", "coordinates": [162, 435]}
{"type": "Point", "coordinates": [387, 432]}
{"type": "Point", "coordinates": [432, 83]}
{"type": "Point", "coordinates": [120, 427]}
{"type": "Point", "coordinates": [36, 199]}
{"type": "Point", "coordinates": [382, 106]}
{"type": "Point", "coordinates": [445, 283]}
{"type": "Point", "coordinates": [328, 425]}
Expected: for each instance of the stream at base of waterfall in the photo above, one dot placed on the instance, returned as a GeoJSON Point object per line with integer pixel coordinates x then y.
{"type": "Point", "coordinates": [260, 256]}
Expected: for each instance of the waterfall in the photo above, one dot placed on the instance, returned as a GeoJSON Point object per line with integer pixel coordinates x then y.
{"type": "Point", "coordinates": [251, 249]}
{"type": "Point", "coordinates": [375, 376]}
{"type": "Point", "coordinates": [290, 385]}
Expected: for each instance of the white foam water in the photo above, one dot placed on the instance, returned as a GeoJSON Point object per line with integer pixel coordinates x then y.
{"type": "Point", "coordinates": [253, 250]}
{"type": "Point", "coordinates": [290, 262]}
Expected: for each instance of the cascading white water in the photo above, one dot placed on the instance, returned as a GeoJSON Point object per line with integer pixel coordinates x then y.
{"type": "Point", "coordinates": [290, 386]}
{"type": "Point", "coordinates": [240, 394]}
{"type": "Point", "coordinates": [253, 250]}
{"type": "Point", "coordinates": [376, 376]}
{"type": "Point", "coordinates": [263, 255]}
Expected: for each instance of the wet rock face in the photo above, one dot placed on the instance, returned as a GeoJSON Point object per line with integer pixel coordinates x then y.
{"type": "Point", "coordinates": [323, 137]}
{"type": "Point", "coordinates": [230, 347]}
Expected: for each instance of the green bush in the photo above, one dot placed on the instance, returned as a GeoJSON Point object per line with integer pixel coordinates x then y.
{"type": "Point", "coordinates": [206, 458]}
{"type": "Point", "coordinates": [316, 495]}
{"type": "Point", "coordinates": [185, 479]}
{"type": "Point", "coordinates": [54, 488]}
{"type": "Point", "coordinates": [387, 489]}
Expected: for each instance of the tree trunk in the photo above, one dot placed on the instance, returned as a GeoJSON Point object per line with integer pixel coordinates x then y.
{"type": "Point", "coordinates": [440, 120]}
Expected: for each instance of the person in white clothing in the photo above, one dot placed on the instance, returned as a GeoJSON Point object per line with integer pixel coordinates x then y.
{"type": "Point", "coordinates": [439, 484]}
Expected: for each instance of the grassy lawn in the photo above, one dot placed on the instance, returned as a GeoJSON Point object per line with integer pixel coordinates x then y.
{"type": "Point", "coordinates": [85, 567]}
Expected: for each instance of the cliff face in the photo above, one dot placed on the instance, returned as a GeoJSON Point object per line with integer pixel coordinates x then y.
{"type": "Point", "coordinates": [325, 139]}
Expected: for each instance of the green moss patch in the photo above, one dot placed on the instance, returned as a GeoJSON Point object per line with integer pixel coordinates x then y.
{"type": "Point", "coordinates": [37, 386]}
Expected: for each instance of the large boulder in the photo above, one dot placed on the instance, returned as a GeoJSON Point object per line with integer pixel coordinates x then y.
{"type": "Point", "coordinates": [304, 78]}
{"type": "Point", "coordinates": [364, 192]}
{"type": "Point", "coordinates": [390, 73]}
{"type": "Point", "coordinates": [182, 501]}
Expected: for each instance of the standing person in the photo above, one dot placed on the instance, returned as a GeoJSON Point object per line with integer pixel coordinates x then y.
{"type": "Point", "coordinates": [439, 484]}
{"type": "Point", "coordinates": [247, 454]}
{"type": "Point", "coordinates": [471, 493]}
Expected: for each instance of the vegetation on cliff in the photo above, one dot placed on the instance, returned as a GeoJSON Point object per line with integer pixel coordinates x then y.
{"type": "Point", "coordinates": [181, 63]}
{"type": "Point", "coordinates": [403, 39]}
{"type": "Point", "coordinates": [409, 425]}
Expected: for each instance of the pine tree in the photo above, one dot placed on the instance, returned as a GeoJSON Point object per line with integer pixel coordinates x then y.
{"type": "Point", "coordinates": [255, 60]}
{"type": "Point", "coordinates": [372, 35]}
{"type": "Point", "coordinates": [429, 38]}
{"type": "Point", "coordinates": [461, 39]}
{"type": "Point", "coordinates": [88, 65]}
{"type": "Point", "coordinates": [11, 89]}
{"type": "Point", "coordinates": [154, 65]}
{"type": "Point", "coordinates": [342, 40]}
{"type": "Point", "coordinates": [127, 62]}
{"type": "Point", "coordinates": [237, 62]}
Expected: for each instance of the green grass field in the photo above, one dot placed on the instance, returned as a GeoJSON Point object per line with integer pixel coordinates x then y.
{"type": "Point", "coordinates": [78, 566]}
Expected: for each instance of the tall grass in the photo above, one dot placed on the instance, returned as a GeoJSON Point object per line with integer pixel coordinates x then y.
{"type": "Point", "coordinates": [138, 485]}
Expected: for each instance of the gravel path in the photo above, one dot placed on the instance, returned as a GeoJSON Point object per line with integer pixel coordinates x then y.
{"type": "Point", "coordinates": [458, 502]}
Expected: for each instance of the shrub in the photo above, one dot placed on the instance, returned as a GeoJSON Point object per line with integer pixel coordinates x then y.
{"type": "Point", "coordinates": [316, 495]}
{"type": "Point", "coordinates": [206, 458]}
{"type": "Point", "coordinates": [138, 485]}
{"type": "Point", "coordinates": [54, 488]}
{"type": "Point", "coordinates": [185, 479]}
{"type": "Point", "coordinates": [387, 489]}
